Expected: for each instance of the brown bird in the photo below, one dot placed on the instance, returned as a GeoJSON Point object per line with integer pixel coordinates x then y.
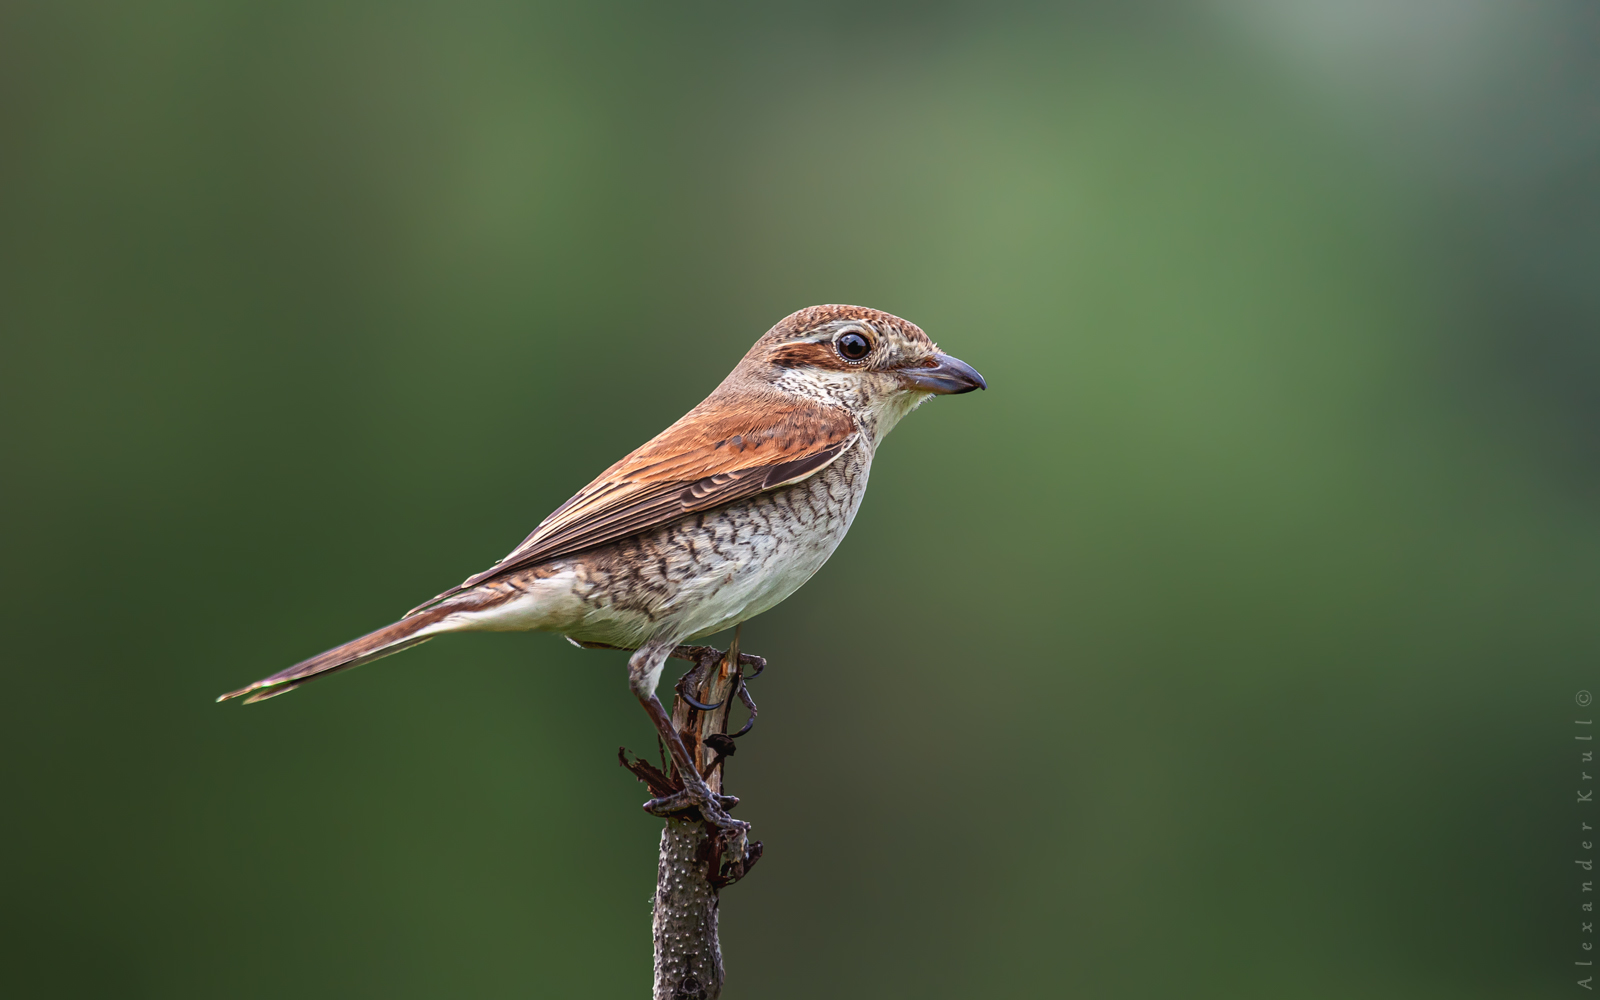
{"type": "Point", "coordinates": [713, 521]}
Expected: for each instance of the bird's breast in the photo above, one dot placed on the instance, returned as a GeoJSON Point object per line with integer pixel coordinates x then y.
{"type": "Point", "coordinates": [712, 570]}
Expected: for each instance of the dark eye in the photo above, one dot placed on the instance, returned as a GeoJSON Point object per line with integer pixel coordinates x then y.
{"type": "Point", "coordinates": [853, 346]}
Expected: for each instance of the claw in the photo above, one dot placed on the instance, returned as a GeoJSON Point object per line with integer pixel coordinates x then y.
{"type": "Point", "coordinates": [750, 659]}
{"type": "Point", "coordinates": [683, 691]}
{"type": "Point", "coordinates": [702, 706]}
{"type": "Point", "coordinates": [749, 703]}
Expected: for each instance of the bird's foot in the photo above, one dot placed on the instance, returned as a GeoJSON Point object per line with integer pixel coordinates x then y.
{"type": "Point", "coordinates": [671, 797]}
{"type": "Point", "coordinates": [729, 853]}
{"type": "Point", "coordinates": [706, 658]}
{"type": "Point", "coordinates": [713, 806]}
{"type": "Point", "coordinates": [699, 654]}
{"type": "Point", "coordinates": [705, 661]}
{"type": "Point", "coordinates": [682, 790]}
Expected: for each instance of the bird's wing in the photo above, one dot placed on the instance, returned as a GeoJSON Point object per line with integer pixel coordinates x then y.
{"type": "Point", "coordinates": [715, 455]}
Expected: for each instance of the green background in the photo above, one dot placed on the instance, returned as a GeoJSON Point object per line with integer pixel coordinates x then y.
{"type": "Point", "coordinates": [1227, 646]}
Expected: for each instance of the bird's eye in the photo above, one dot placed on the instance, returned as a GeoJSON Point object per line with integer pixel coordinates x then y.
{"type": "Point", "coordinates": [853, 346]}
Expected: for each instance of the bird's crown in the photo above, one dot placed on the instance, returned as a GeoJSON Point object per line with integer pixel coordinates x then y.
{"type": "Point", "coordinates": [814, 319]}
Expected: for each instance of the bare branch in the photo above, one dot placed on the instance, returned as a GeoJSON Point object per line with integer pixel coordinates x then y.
{"type": "Point", "coordinates": [695, 862]}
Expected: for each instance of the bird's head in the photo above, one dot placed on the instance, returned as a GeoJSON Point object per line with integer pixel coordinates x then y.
{"type": "Point", "coordinates": [879, 366]}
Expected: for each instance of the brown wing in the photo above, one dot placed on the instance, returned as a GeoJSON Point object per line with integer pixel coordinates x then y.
{"type": "Point", "coordinates": [715, 455]}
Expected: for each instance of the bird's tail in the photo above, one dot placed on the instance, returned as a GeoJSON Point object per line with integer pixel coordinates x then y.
{"type": "Point", "coordinates": [403, 634]}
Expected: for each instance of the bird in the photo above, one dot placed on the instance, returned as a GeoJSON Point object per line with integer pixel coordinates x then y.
{"type": "Point", "coordinates": [713, 521]}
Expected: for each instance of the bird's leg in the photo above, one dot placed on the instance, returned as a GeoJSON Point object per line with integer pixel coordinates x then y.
{"type": "Point", "coordinates": [683, 768]}
{"type": "Point", "coordinates": [699, 656]}
{"type": "Point", "coordinates": [644, 667]}
{"type": "Point", "coordinates": [731, 850]}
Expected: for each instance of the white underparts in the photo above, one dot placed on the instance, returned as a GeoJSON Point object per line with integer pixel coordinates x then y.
{"type": "Point", "coordinates": [546, 604]}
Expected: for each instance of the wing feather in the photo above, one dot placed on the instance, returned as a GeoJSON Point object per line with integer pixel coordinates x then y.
{"type": "Point", "coordinates": [715, 455]}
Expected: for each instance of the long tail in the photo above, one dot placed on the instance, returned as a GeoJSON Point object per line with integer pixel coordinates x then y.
{"type": "Point", "coordinates": [386, 641]}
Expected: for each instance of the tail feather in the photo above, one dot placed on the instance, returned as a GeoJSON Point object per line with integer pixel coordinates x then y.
{"type": "Point", "coordinates": [385, 641]}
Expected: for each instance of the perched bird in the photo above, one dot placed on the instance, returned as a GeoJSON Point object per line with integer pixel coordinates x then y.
{"type": "Point", "coordinates": [713, 521]}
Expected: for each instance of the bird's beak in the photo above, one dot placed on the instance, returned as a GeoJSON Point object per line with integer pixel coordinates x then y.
{"type": "Point", "coordinates": [944, 376]}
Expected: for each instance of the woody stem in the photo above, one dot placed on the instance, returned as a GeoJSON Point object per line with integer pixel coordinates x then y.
{"type": "Point", "coordinates": [696, 858]}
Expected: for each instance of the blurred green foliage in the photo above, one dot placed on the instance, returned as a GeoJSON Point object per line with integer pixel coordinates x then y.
{"type": "Point", "coordinates": [1225, 647]}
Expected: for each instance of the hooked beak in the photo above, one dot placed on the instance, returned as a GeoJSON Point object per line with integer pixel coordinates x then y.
{"type": "Point", "coordinates": [945, 377]}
